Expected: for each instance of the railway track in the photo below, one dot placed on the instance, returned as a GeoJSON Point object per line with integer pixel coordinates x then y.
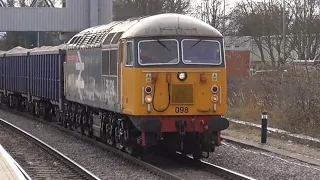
{"type": "Point", "coordinates": [40, 160]}
{"type": "Point", "coordinates": [220, 172]}
{"type": "Point", "coordinates": [215, 169]}
{"type": "Point", "coordinates": [202, 166]}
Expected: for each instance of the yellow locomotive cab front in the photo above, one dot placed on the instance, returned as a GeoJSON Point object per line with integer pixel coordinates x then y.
{"type": "Point", "coordinates": [182, 92]}
{"type": "Point", "coordinates": [175, 79]}
{"type": "Point", "coordinates": [164, 82]}
{"type": "Point", "coordinates": [173, 84]}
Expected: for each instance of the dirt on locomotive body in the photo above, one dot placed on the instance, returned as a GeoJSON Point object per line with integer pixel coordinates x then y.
{"type": "Point", "coordinates": [136, 84]}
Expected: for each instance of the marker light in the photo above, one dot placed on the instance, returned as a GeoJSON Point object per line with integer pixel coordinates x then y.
{"type": "Point", "coordinates": [214, 89]}
{"type": "Point", "coordinates": [214, 98]}
{"type": "Point", "coordinates": [168, 78]}
{"type": "Point", "coordinates": [154, 78]}
{"type": "Point", "coordinates": [203, 78]}
{"type": "Point", "coordinates": [182, 76]}
{"type": "Point", "coordinates": [148, 89]}
{"type": "Point", "coordinates": [148, 99]}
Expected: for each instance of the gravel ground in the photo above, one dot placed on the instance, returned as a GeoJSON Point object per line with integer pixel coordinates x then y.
{"type": "Point", "coordinates": [34, 160]}
{"type": "Point", "coordinates": [103, 164]}
{"type": "Point", "coordinates": [185, 171]}
{"type": "Point", "coordinates": [254, 135]}
{"type": "Point", "coordinates": [262, 165]}
{"type": "Point", "coordinates": [254, 163]}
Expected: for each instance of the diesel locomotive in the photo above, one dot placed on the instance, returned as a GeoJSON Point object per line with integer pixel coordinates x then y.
{"type": "Point", "coordinates": [138, 84]}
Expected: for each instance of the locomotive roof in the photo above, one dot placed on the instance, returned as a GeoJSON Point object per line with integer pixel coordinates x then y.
{"type": "Point", "coordinates": [168, 24]}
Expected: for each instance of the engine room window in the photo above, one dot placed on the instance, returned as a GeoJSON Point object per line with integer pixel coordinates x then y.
{"type": "Point", "coordinates": [105, 62]}
{"type": "Point", "coordinates": [113, 62]}
{"type": "Point", "coordinates": [195, 51]}
{"type": "Point", "coordinates": [129, 60]}
{"type": "Point", "coordinates": [152, 52]}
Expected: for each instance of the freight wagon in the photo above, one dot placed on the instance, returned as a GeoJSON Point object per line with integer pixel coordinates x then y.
{"type": "Point", "coordinates": [35, 74]}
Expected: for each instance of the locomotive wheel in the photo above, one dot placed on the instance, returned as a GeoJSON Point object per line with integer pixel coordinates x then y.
{"type": "Point", "coordinates": [110, 135]}
{"type": "Point", "coordinates": [135, 150]}
{"type": "Point", "coordinates": [120, 138]}
{"type": "Point", "coordinates": [58, 117]}
{"type": "Point", "coordinates": [78, 124]}
{"type": "Point", "coordinates": [110, 130]}
{"type": "Point", "coordinates": [197, 151]}
{"type": "Point", "coordinates": [90, 128]}
{"type": "Point", "coordinates": [82, 125]}
{"type": "Point", "coordinates": [123, 135]}
{"type": "Point", "coordinates": [197, 155]}
{"type": "Point", "coordinates": [65, 120]}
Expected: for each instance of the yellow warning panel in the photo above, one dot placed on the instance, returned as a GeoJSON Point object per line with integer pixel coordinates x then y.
{"type": "Point", "coordinates": [214, 76]}
{"type": "Point", "coordinates": [148, 77]}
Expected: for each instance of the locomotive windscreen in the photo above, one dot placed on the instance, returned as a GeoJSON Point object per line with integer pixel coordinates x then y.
{"type": "Point", "coordinates": [201, 52]}
{"type": "Point", "coordinates": [158, 52]}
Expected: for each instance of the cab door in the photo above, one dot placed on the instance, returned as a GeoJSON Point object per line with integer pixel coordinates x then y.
{"type": "Point", "coordinates": [127, 78]}
{"type": "Point", "coordinates": [122, 56]}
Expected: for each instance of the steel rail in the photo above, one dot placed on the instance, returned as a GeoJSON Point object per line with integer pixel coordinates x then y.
{"type": "Point", "coordinates": [151, 168]}
{"type": "Point", "coordinates": [225, 172]}
{"type": "Point", "coordinates": [75, 166]}
{"type": "Point", "coordinates": [212, 168]}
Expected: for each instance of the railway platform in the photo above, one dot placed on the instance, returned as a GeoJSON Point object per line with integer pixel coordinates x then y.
{"type": "Point", "coordinates": [9, 168]}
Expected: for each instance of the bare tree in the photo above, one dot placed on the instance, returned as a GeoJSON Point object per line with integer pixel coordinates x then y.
{"type": "Point", "coordinates": [260, 21]}
{"type": "Point", "coordinates": [124, 9]}
{"type": "Point", "coordinates": [211, 12]}
{"type": "Point", "coordinates": [305, 28]}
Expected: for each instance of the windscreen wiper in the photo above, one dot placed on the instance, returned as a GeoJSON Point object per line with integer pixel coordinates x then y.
{"type": "Point", "coordinates": [163, 45]}
{"type": "Point", "coordinates": [195, 43]}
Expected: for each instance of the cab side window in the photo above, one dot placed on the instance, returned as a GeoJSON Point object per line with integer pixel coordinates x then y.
{"type": "Point", "coordinates": [129, 60]}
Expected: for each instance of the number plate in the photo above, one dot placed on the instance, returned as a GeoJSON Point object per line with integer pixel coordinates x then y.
{"type": "Point", "coordinates": [181, 109]}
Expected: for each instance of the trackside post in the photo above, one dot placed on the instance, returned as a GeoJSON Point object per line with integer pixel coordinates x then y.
{"type": "Point", "coordinates": [264, 124]}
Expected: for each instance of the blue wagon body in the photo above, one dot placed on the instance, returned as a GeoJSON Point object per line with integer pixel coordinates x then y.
{"type": "Point", "coordinates": [33, 73]}
{"type": "Point", "coordinates": [46, 75]}
{"type": "Point", "coordinates": [1, 72]}
{"type": "Point", "coordinates": [16, 74]}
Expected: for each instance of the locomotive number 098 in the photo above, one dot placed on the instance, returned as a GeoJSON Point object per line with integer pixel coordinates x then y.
{"type": "Point", "coordinates": [181, 109]}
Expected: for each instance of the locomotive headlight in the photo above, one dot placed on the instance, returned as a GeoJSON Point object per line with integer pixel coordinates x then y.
{"type": "Point", "coordinates": [148, 99]}
{"type": "Point", "coordinates": [214, 98]}
{"type": "Point", "coordinates": [148, 89]}
{"type": "Point", "coordinates": [182, 76]}
{"type": "Point", "coordinates": [214, 89]}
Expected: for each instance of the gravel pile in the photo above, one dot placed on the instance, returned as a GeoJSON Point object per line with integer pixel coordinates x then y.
{"type": "Point", "coordinates": [262, 165]}
{"type": "Point", "coordinates": [103, 164]}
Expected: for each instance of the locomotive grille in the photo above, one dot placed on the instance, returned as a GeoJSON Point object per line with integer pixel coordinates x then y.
{"type": "Point", "coordinates": [182, 93]}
